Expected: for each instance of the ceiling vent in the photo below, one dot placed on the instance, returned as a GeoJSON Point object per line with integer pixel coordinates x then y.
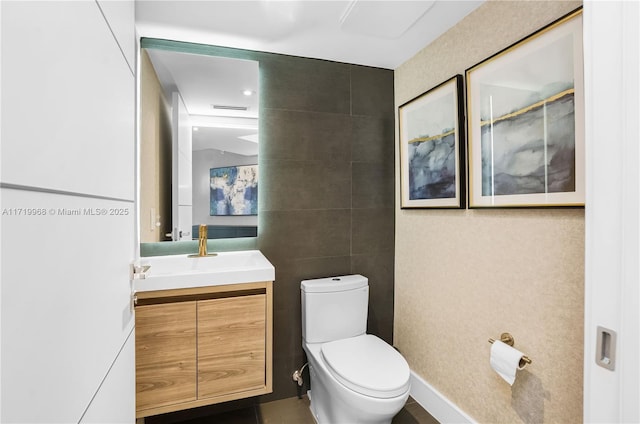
{"type": "Point", "coordinates": [227, 107]}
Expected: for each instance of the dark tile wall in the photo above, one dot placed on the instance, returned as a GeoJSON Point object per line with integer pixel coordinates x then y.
{"type": "Point", "coordinates": [326, 190]}
{"type": "Point", "coordinates": [326, 187]}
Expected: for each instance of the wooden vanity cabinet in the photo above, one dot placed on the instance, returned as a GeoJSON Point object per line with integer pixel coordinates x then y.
{"type": "Point", "coordinates": [201, 346]}
{"type": "Point", "coordinates": [165, 354]}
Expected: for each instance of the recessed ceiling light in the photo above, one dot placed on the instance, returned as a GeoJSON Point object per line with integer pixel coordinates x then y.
{"type": "Point", "coordinates": [247, 92]}
{"type": "Point", "coordinates": [195, 128]}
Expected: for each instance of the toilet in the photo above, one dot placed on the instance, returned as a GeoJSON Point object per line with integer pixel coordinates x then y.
{"type": "Point", "coordinates": [355, 377]}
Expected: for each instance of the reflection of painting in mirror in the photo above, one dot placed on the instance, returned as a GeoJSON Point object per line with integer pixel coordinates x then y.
{"type": "Point", "coordinates": [234, 190]}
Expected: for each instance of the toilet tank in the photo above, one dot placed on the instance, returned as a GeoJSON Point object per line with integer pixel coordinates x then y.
{"type": "Point", "coordinates": [334, 308]}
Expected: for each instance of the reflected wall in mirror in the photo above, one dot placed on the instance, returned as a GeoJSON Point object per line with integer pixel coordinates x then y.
{"type": "Point", "coordinates": [198, 112]}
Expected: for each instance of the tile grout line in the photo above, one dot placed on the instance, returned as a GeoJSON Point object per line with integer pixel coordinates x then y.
{"type": "Point", "coordinates": [255, 414]}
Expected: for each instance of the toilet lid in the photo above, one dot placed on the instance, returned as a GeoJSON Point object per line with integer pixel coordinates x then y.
{"type": "Point", "coordinates": [367, 365]}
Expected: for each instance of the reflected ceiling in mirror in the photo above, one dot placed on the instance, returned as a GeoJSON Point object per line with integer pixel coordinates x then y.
{"type": "Point", "coordinates": [197, 112]}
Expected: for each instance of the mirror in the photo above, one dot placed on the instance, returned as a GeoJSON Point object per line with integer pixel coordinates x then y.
{"type": "Point", "coordinates": [198, 145]}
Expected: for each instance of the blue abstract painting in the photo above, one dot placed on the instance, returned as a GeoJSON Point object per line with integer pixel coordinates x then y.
{"type": "Point", "coordinates": [525, 109]}
{"type": "Point", "coordinates": [234, 190]}
{"type": "Point", "coordinates": [432, 149]}
{"type": "Point", "coordinates": [431, 146]}
{"type": "Point", "coordinates": [531, 150]}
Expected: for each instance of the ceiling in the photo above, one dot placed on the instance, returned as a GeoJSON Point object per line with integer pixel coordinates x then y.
{"type": "Point", "coordinates": [378, 33]}
{"type": "Point", "coordinates": [212, 89]}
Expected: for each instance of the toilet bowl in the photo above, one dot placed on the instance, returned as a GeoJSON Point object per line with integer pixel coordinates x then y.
{"type": "Point", "coordinates": [355, 377]}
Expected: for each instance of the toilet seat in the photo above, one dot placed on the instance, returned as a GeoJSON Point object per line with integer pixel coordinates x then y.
{"type": "Point", "coordinates": [367, 365]}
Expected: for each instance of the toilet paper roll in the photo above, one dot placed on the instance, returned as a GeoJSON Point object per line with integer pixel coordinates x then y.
{"type": "Point", "coordinates": [506, 360]}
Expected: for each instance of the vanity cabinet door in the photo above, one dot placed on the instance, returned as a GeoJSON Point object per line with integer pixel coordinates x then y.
{"type": "Point", "coordinates": [231, 345]}
{"type": "Point", "coordinates": [165, 354]}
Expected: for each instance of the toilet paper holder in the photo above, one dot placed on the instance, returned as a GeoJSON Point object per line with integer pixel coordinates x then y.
{"type": "Point", "coordinates": [507, 338]}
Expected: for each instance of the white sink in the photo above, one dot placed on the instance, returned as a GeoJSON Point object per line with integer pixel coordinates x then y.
{"type": "Point", "coordinates": [181, 271]}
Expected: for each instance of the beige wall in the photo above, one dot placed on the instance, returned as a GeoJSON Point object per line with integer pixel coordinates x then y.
{"type": "Point", "coordinates": [464, 276]}
{"type": "Point", "coordinates": [155, 155]}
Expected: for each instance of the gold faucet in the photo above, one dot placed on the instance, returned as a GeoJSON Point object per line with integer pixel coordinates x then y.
{"type": "Point", "coordinates": [202, 240]}
{"type": "Point", "coordinates": [202, 243]}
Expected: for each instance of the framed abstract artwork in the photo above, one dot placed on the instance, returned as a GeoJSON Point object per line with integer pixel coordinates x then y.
{"type": "Point", "coordinates": [234, 190]}
{"type": "Point", "coordinates": [432, 148]}
{"type": "Point", "coordinates": [525, 121]}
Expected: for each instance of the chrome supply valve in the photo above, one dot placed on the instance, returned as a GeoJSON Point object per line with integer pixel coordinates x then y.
{"type": "Point", "coordinates": [297, 375]}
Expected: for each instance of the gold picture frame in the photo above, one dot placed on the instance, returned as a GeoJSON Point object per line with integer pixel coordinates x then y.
{"type": "Point", "coordinates": [525, 121]}
{"type": "Point", "coordinates": [432, 160]}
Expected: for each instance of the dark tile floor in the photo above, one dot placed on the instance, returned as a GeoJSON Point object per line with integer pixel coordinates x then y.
{"type": "Point", "coordinates": [285, 411]}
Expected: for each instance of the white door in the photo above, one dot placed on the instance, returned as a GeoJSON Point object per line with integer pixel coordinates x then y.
{"type": "Point", "coordinates": [67, 185]}
{"type": "Point", "coordinates": [612, 273]}
{"type": "Point", "coordinates": [181, 177]}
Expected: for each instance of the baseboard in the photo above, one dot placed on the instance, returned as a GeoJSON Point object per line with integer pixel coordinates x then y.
{"type": "Point", "coordinates": [441, 408]}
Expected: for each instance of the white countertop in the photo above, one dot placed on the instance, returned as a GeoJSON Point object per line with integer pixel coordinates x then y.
{"type": "Point", "coordinates": [181, 271]}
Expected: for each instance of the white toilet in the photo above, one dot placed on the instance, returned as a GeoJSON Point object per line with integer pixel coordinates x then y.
{"type": "Point", "coordinates": [355, 377]}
